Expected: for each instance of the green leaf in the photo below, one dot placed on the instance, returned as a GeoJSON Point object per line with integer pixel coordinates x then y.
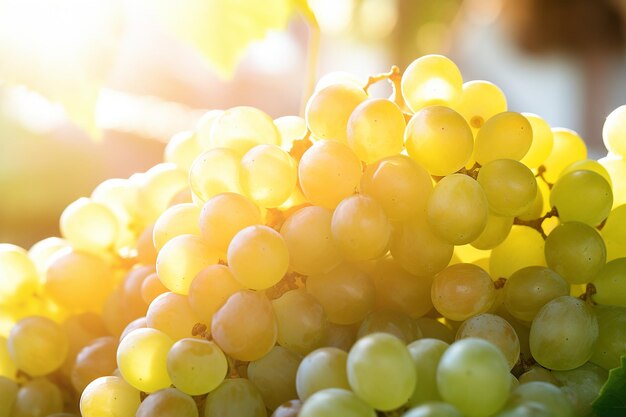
{"type": "Point", "coordinates": [612, 399]}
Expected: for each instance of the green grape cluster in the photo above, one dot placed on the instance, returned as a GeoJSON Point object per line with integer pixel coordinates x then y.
{"type": "Point", "coordinates": [432, 254]}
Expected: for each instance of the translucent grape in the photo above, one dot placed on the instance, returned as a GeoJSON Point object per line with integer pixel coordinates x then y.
{"type": "Point", "coordinates": [615, 226]}
{"type": "Point", "coordinates": [235, 398]}
{"type": "Point", "coordinates": [168, 402]}
{"type": "Point", "coordinates": [268, 175]}
{"type": "Point", "coordinates": [426, 354]}
{"type": "Point", "coordinates": [525, 409]}
{"type": "Point", "coordinates": [177, 220]}
{"type": "Point", "coordinates": [151, 287]}
{"type": "Point", "coordinates": [582, 196]}
{"type": "Point", "coordinates": [506, 135]}
{"type": "Point", "coordinates": [538, 373]}
{"type": "Point", "coordinates": [214, 172]}
{"type": "Point", "coordinates": [94, 361]}
{"type": "Point", "coordinates": [37, 345]}
{"type": "Point", "coordinates": [523, 247]}
{"type": "Point", "coordinates": [617, 170]}
{"type": "Point", "coordinates": [8, 393]}
{"type": "Point", "coordinates": [321, 369]}
{"type": "Point", "coordinates": [290, 128]}
{"type": "Point", "coordinates": [494, 329]}
{"type": "Point", "coordinates": [510, 187]}
{"type": "Point", "coordinates": [480, 100]}
{"type": "Point", "coordinates": [142, 359]}
{"type": "Point", "coordinates": [568, 147]}
{"type": "Point", "coordinates": [588, 165]}
{"type": "Point", "coordinates": [274, 375]}
{"type": "Point", "coordinates": [210, 289]}
{"type": "Point", "coordinates": [38, 397]}
{"type": "Point", "coordinates": [496, 230]}
{"type": "Point", "coordinates": [582, 386]}
{"type": "Point", "coordinates": [89, 225]}
{"type": "Point", "coordinates": [391, 322]}
{"type": "Point", "coordinates": [613, 131]}
{"type": "Point", "coordinates": [611, 343]}
{"type": "Point", "coordinates": [548, 395]}
{"type": "Point", "coordinates": [241, 128]}
{"type": "Point", "coordinates": [139, 323]}
{"type": "Point", "coordinates": [171, 314]}
{"type": "Point", "coordinates": [42, 252]}
{"type": "Point", "coordinates": [8, 369]}
{"type": "Point", "coordinates": [182, 149]}
{"type": "Point", "coordinates": [335, 401]}
{"type": "Point", "coordinates": [433, 409]}
{"type": "Point", "coordinates": [157, 187]}
{"type": "Point", "coordinates": [18, 275]}
{"type": "Point", "coordinates": [109, 395]}
{"type": "Point", "coordinates": [196, 366]}
{"type": "Point", "coordinates": [543, 140]}
{"type": "Point", "coordinates": [431, 80]}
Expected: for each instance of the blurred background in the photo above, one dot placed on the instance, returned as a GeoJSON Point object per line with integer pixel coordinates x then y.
{"type": "Point", "coordinates": [93, 89]}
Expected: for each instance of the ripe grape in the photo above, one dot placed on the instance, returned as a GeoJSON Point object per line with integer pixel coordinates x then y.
{"type": "Point", "coordinates": [196, 366]}
{"type": "Point", "coordinates": [109, 395]}
{"type": "Point", "coordinates": [321, 369]}
{"type": "Point", "coordinates": [510, 187]}
{"type": "Point", "coordinates": [335, 401]}
{"type": "Point", "coordinates": [431, 80]}
{"type": "Point", "coordinates": [426, 354]}
{"type": "Point", "coordinates": [507, 135]}
{"type": "Point", "coordinates": [480, 100]}
{"type": "Point", "coordinates": [168, 402]}
{"type": "Point", "coordinates": [241, 128]}
{"type": "Point", "coordinates": [235, 397]}
{"type": "Point", "coordinates": [274, 375]}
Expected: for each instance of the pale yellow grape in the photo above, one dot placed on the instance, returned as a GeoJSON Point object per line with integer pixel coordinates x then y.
{"type": "Point", "coordinates": [131, 291]}
{"type": "Point", "coordinates": [8, 369]}
{"type": "Point", "coordinates": [480, 100]}
{"type": "Point", "coordinates": [274, 375]}
{"type": "Point", "coordinates": [399, 184]}
{"type": "Point", "coordinates": [462, 290]}
{"type": "Point", "coordinates": [213, 172]}
{"type": "Point", "coordinates": [523, 247]}
{"type": "Point", "coordinates": [543, 141]}
{"type": "Point", "coordinates": [346, 294]}
{"type": "Point", "coordinates": [182, 149]}
{"type": "Point", "coordinates": [494, 329]}
{"type": "Point", "coordinates": [418, 249]}
{"type": "Point", "coordinates": [610, 284]}
{"type": "Point", "coordinates": [568, 147]}
{"type": "Point", "coordinates": [80, 330]}
{"type": "Point", "coordinates": [140, 323]}
{"type": "Point", "coordinates": [245, 328]}
{"type": "Point", "coordinates": [612, 338]}
{"type": "Point", "coordinates": [328, 110]}
{"type": "Point", "coordinates": [235, 397]}
{"type": "Point", "coordinates": [391, 322]}
{"type": "Point", "coordinates": [242, 128]}
{"type": "Point", "coordinates": [168, 402]}
{"type": "Point", "coordinates": [617, 170]}
{"type": "Point", "coordinates": [588, 165]}
{"type": "Point", "coordinates": [8, 393]}
{"type": "Point", "coordinates": [121, 196]}
{"type": "Point", "coordinates": [268, 175]}
{"type": "Point", "coordinates": [37, 345]}
{"type": "Point", "coordinates": [426, 354]}
{"type": "Point", "coordinates": [554, 401]}
{"type": "Point", "coordinates": [210, 289]}
{"type": "Point", "coordinates": [538, 373]}
{"type": "Point", "coordinates": [177, 220]}
{"type": "Point", "coordinates": [290, 128]}
{"type": "Point", "coordinates": [335, 401]}
{"type": "Point", "coordinates": [93, 361]}
{"type": "Point", "coordinates": [541, 204]}
{"type": "Point", "coordinates": [224, 215]}
{"type": "Point", "coordinates": [89, 225]}
{"type": "Point", "coordinates": [203, 128]}
{"type": "Point", "coordinates": [439, 139]}
{"type": "Point", "coordinates": [434, 409]}
{"type": "Point", "coordinates": [582, 386]}
{"type": "Point", "coordinates": [42, 252]}
{"type": "Point", "coordinates": [151, 287]}
{"type": "Point", "coordinates": [506, 135]}
{"type": "Point", "coordinates": [613, 131]}
{"type": "Point", "coordinates": [18, 275]}
{"type": "Point", "coordinates": [180, 260]}
{"type": "Point", "coordinates": [321, 369]}
{"type": "Point", "coordinates": [258, 257]}
{"type": "Point", "coordinates": [582, 196]}
{"type": "Point", "coordinates": [615, 226]}
{"type": "Point", "coordinates": [142, 359]}
{"type": "Point", "coordinates": [157, 187]}
{"type": "Point", "coordinates": [509, 185]}
{"type": "Point", "coordinates": [376, 130]}
{"type": "Point", "coordinates": [458, 209]}
{"type": "Point", "coordinates": [146, 253]}
{"type": "Point", "coordinates": [171, 314]}
{"type": "Point", "coordinates": [308, 236]}
{"type": "Point", "coordinates": [109, 395]}
{"type": "Point", "coordinates": [337, 77]}
{"type": "Point", "coordinates": [196, 366]}
{"type": "Point", "coordinates": [37, 397]}
{"type": "Point", "coordinates": [329, 171]}
{"type": "Point", "coordinates": [431, 80]}
{"type": "Point", "coordinates": [496, 230]}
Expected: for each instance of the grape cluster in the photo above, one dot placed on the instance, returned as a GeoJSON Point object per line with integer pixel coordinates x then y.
{"type": "Point", "coordinates": [428, 255]}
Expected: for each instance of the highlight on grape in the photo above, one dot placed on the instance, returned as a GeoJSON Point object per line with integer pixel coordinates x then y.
{"type": "Point", "coordinates": [431, 254]}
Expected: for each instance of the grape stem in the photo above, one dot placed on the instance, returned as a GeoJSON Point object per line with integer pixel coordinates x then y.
{"type": "Point", "coordinates": [536, 223]}
{"type": "Point", "coordinates": [590, 290]}
{"type": "Point", "coordinates": [499, 283]}
{"type": "Point", "coordinates": [540, 174]}
{"type": "Point", "coordinates": [395, 78]}
{"type": "Point", "coordinates": [313, 52]}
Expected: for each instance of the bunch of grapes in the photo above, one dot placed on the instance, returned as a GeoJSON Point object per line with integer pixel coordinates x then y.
{"type": "Point", "coordinates": [427, 255]}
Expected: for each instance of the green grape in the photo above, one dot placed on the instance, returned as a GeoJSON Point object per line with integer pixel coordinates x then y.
{"type": "Point", "coordinates": [543, 141]}
{"type": "Point", "coordinates": [431, 80]}
{"type": "Point", "coordinates": [360, 228]}
{"type": "Point", "coordinates": [563, 334]}
{"type": "Point", "coordinates": [308, 236]}
{"type": "Point", "coordinates": [416, 247]}
{"type": "Point", "coordinates": [523, 247]}
{"type": "Point", "coordinates": [18, 275]}
{"type": "Point", "coordinates": [381, 371]}
{"type": "Point", "coordinates": [89, 225]}
{"type": "Point", "coordinates": [258, 257]}
{"type": "Point", "coordinates": [346, 294]}
{"type": "Point", "coordinates": [274, 375]}
{"type": "Point", "coordinates": [509, 185]}
{"type": "Point", "coordinates": [268, 175]}
{"type": "Point", "coordinates": [433, 409]}
{"type": "Point", "coordinates": [329, 171]}
{"type": "Point", "coordinates": [426, 354]}
{"type": "Point", "coordinates": [109, 396]}
{"type": "Point", "coordinates": [177, 220]}
{"type": "Point", "coordinates": [611, 344]}
{"type": "Point", "coordinates": [156, 188]}
{"type": "Point", "coordinates": [615, 227]}
{"type": "Point", "coordinates": [196, 366]}
{"type": "Point", "coordinates": [480, 100]}
{"type": "Point", "coordinates": [575, 251]}
{"type": "Point", "coordinates": [540, 204]}
{"type": "Point", "coordinates": [434, 329]}
{"type": "Point", "coordinates": [210, 289]}
{"type": "Point", "coordinates": [399, 184]}
{"type": "Point", "coordinates": [241, 128]}
{"type": "Point", "coordinates": [182, 149]}
{"type": "Point", "coordinates": [8, 369]}
{"type": "Point", "coordinates": [290, 128]}
{"type": "Point", "coordinates": [568, 147]}
{"type": "Point", "coordinates": [507, 135]}
{"type": "Point", "coordinates": [236, 397]}
{"type": "Point", "coordinates": [548, 395]}
{"type": "Point", "coordinates": [172, 314]}
{"type": "Point", "coordinates": [530, 288]}
{"type": "Point", "coordinates": [494, 329]}
{"type": "Point", "coordinates": [8, 393]}
{"type": "Point", "coordinates": [340, 336]}
{"type": "Point", "coordinates": [142, 359]}
{"type": "Point", "coordinates": [168, 402]}
{"type": "Point", "coordinates": [538, 373]}
{"type": "Point", "coordinates": [289, 409]}
{"type": "Point", "coordinates": [37, 397]}
{"type": "Point", "coordinates": [321, 369]}
{"type": "Point", "coordinates": [588, 165]}
{"type": "Point", "coordinates": [458, 209]}
{"type": "Point", "coordinates": [582, 196]}
{"type": "Point", "coordinates": [328, 110]}
{"type": "Point", "coordinates": [391, 322]}
{"type": "Point", "coordinates": [397, 289]}
{"type": "Point", "coordinates": [617, 170]}
{"type": "Point", "coordinates": [375, 130]}
{"type": "Point", "coordinates": [439, 139]}
{"type": "Point", "coordinates": [93, 361]}
{"type": "Point", "coordinates": [245, 328]}
{"type": "Point", "coordinates": [462, 290]}
{"type": "Point", "coordinates": [214, 172]}
{"type": "Point", "coordinates": [613, 131]}
{"type": "Point", "coordinates": [37, 345]}
{"type": "Point", "coordinates": [496, 230]}
{"type": "Point", "coordinates": [473, 375]}
{"type": "Point", "coordinates": [525, 409]}
{"type": "Point", "coordinates": [582, 386]}
{"type": "Point", "coordinates": [336, 402]}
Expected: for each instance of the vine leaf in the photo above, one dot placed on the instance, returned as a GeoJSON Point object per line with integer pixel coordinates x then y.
{"type": "Point", "coordinates": [612, 399]}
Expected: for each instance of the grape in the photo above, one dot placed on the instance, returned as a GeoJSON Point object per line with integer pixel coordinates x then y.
{"type": "Point", "coordinates": [509, 186]}
{"type": "Point", "coordinates": [380, 371]}
{"type": "Point", "coordinates": [18, 275]}
{"type": "Point", "coordinates": [611, 343]}
{"type": "Point", "coordinates": [617, 170]}
{"type": "Point", "coordinates": [391, 322]}
{"type": "Point", "coordinates": [168, 402]}
{"type": "Point", "coordinates": [171, 314]}
{"type": "Point", "coordinates": [542, 143]}
{"type": "Point", "coordinates": [613, 131]}
{"type": "Point", "coordinates": [615, 226]}
{"type": "Point", "coordinates": [245, 327]}
{"type": "Point", "coordinates": [525, 409]}
{"type": "Point", "coordinates": [587, 165]}
{"type": "Point", "coordinates": [38, 397]}
{"type": "Point", "coordinates": [321, 369]}
{"type": "Point", "coordinates": [214, 172]}
{"type": "Point", "coordinates": [335, 402]}
{"type": "Point", "coordinates": [42, 252]}
{"type": "Point", "coordinates": [582, 196]}
{"type": "Point", "coordinates": [523, 247]}
{"type": "Point", "coordinates": [507, 135]}
{"type": "Point", "coordinates": [235, 398]}
{"type": "Point", "coordinates": [109, 395]}
{"type": "Point", "coordinates": [568, 148]}
{"type": "Point", "coordinates": [360, 228]}
{"type": "Point", "coordinates": [538, 373]}
{"type": "Point", "coordinates": [204, 126]}
{"type": "Point", "coordinates": [575, 251]}
{"type": "Point", "coordinates": [426, 354]}
{"type": "Point", "coordinates": [210, 289]}
{"type": "Point", "coordinates": [152, 287]}
{"type": "Point", "coordinates": [289, 409]}
{"type": "Point", "coordinates": [182, 149]}
{"type": "Point", "coordinates": [431, 80]}
{"type": "Point", "coordinates": [156, 188]}
{"type": "Point", "coordinates": [340, 336]}
{"type": "Point", "coordinates": [551, 397]}
{"type": "Point", "coordinates": [93, 361]}
{"type": "Point", "coordinates": [480, 100]}
{"type": "Point", "coordinates": [434, 329]}
{"type": "Point", "coordinates": [290, 128]}
{"type": "Point", "coordinates": [274, 375]}
{"type": "Point", "coordinates": [241, 128]}
{"type": "Point", "coordinates": [8, 393]}
{"type": "Point", "coordinates": [563, 334]}
{"type": "Point", "coordinates": [8, 369]}
{"type": "Point", "coordinates": [140, 323]}
{"type": "Point", "coordinates": [439, 139]}
{"type": "Point", "coordinates": [496, 230]}
{"type": "Point", "coordinates": [473, 375]}
{"type": "Point", "coordinates": [195, 366]}
{"type": "Point", "coordinates": [610, 284]}
{"type": "Point", "coordinates": [582, 386]}
{"type": "Point", "coordinates": [89, 225]}
{"type": "Point", "coordinates": [177, 220]}
{"type": "Point", "coordinates": [433, 409]}
{"type": "Point", "coordinates": [458, 209]}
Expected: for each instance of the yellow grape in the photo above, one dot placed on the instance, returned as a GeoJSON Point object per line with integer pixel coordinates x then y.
{"type": "Point", "coordinates": [613, 131]}
{"type": "Point", "coordinates": [210, 289]}
{"type": "Point", "coordinates": [617, 170]}
{"type": "Point", "coordinates": [543, 141]}
{"type": "Point", "coordinates": [609, 284]}
{"type": "Point", "coordinates": [506, 135]}
{"type": "Point", "coordinates": [203, 129]}
{"type": "Point", "coordinates": [568, 147]}
{"type": "Point", "coordinates": [480, 100]}
{"type": "Point", "coordinates": [168, 402]}
{"type": "Point", "coordinates": [588, 165]}
{"type": "Point", "coordinates": [182, 149]}
{"type": "Point", "coordinates": [195, 366]}
{"type": "Point", "coordinates": [109, 395]}
{"type": "Point", "coordinates": [8, 369]}
{"type": "Point", "coordinates": [140, 323]}
{"type": "Point", "coordinates": [337, 77]}
{"type": "Point", "coordinates": [509, 185]}
{"type": "Point", "coordinates": [213, 172]}
{"type": "Point", "coordinates": [44, 251]}
{"type": "Point", "coordinates": [615, 226]}
{"type": "Point", "coordinates": [392, 322]}
{"type": "Point", "coordinates": [157, 187]}
{"type": "Point", "coordinates": [177, 220]}
{"type": "Point", "coordinates": [171, 314]}
{"type": "Point", "coordinates": [121, 197]}
{"type": "Point", "coordinates": [290, 128]}
{"type": "Point", "coordinates": [496, 230]}
{"type": "Point", "coordinates": [89, 225]}
{"type": "Point", "coordinates": [18, 275]}
{"type": "Point", "coordinates": [37, 345]}
{"type": "Point", "coordinates": [523, 247]}
{"type": "Point", "coordinates": [242, 128]}
{"type": "Point", "coordinates": [582, 196]}
{"type": "Point", "coordinates": [431, 80]}
{"type": "Point", "coordinates": [94, 361]}
{"type": "Point", "coordinates": [38, 397]}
